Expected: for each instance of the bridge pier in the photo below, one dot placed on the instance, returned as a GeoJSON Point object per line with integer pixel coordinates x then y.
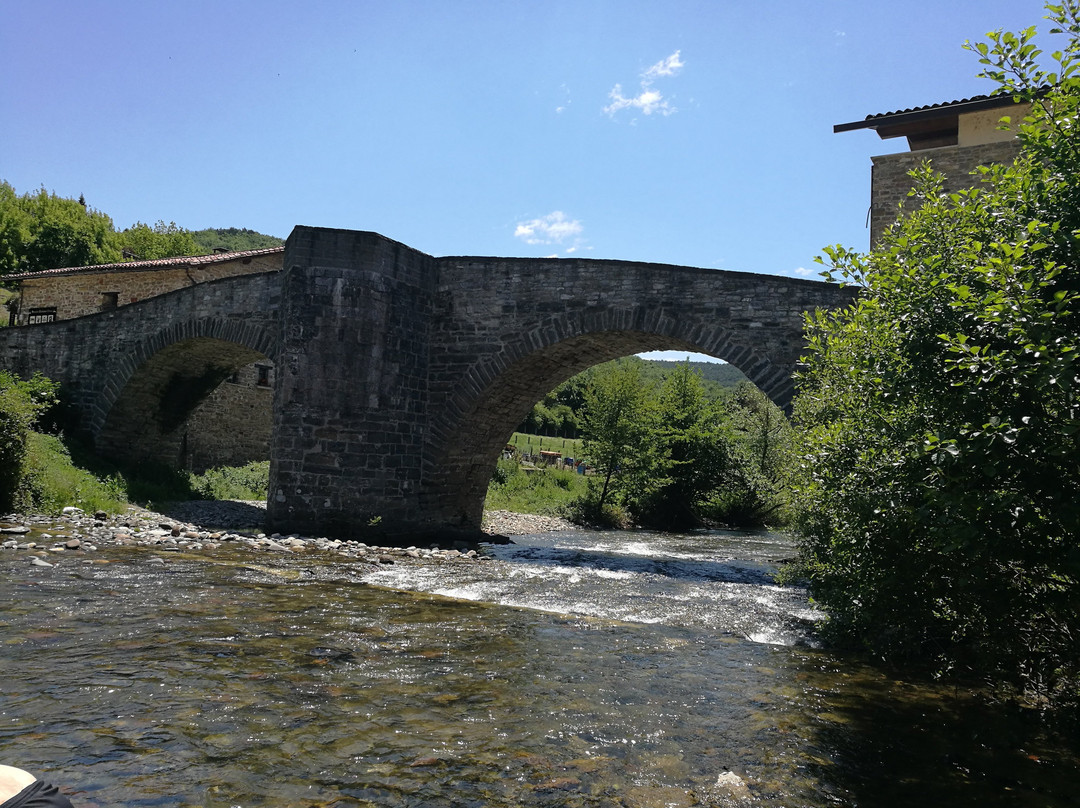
{"type": "Point", "coordinates": [351, 386]}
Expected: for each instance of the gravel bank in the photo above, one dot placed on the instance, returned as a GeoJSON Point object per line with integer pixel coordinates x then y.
{"type": "Point", "coordinates": [508, 523]}
{"type": "Point", "coordinates": [205, 526]}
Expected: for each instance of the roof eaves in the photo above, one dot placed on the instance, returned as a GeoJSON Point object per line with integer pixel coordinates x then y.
{"type": "Point", "coordinates": [156, 263]}
{"type": "Point", "coordinates": [929, 112]}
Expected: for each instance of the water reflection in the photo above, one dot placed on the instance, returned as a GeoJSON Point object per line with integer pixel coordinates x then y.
{"type": "Point", "coordinates": [294, 682]}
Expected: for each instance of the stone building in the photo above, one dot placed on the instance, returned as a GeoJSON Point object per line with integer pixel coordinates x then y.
{"type": "Point", "coordinates": [61, 294]}
{"type": "Point", "coordinates": [955, 137]}
{"type": "Point", "coordinates": [232, 424]}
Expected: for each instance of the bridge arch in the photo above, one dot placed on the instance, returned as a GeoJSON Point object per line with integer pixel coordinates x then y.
{"type": "Point", "coordinates": [496, 393]}
{"type": "Point", "coordinates": [148, 397]}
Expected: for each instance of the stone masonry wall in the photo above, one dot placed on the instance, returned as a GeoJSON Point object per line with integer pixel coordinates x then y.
{"type": "Point", "coordinates": [232, 426]}
{"type": "Point", "coordinates": [351, 384]}
{"type": "Point", "coordinates": [98, 359]}
{"type": "Point", "coordinates": [81, 292]}
{"type": "Point", "coordinates": [507, 330]}
{"type": "Point", "coordinates": [890, 182]}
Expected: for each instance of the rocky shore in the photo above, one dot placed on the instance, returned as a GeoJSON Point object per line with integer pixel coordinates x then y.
{"type": "Point", "coordinates": [205, 526]}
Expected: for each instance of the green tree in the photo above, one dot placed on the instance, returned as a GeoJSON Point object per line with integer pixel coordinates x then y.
{"type": "Point", "coordinates": [936, 506]}
{"type": "Point", "coordinates": [689, 451]}
{"type": "Point", "coordinates": [43, 231]}
{"type": "Point", "coordinates": [757, 471]}
{"type": "Point", "coordinates": [145, 243]}
{"type": "Point", "coordinates": [615, 429]}
{"type": "Point", "coordinates": [233, 238]}
{"type": "Point", "coordinates": [15, 228]}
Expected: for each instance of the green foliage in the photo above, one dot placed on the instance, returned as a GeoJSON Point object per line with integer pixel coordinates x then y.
{"type": "Point", "coordinates": [668, 456]}
{"type": "Point", "coordinates": [233, 482]}
{"type": "Point", "coordinates": [689, 453]}
{"type": "Point", "coordinates": [233, 239]}
{"type": "Point", "coordinates": [548, 491]}
{"type": "Point", "coordinates": [616, 429]}
{"type": "Point", "coordinates": [936, 506]}
{"type": "Point", "coordinates": [142, 242]}
{"type": "Point", "coordinates": [715, 376]}
{"type": "Point", "coordinates": [42, 230]}
{"type": "Point", "coordinates": [21, 404]}
{"type": "Point", "coordinates": [52, 481]}
{"type": "Point", "coordinates": [561, 412]}
{"type": "Point", "coordinates": [755, 486]}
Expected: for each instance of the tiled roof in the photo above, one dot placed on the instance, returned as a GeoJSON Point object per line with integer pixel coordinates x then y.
{"type": "Point", "coordinates": [157, 263]}
{"type": "Point", "coordinates": [942, 109]}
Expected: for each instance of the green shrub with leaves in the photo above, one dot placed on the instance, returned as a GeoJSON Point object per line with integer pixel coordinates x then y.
{"type": "Point", "coordinates": [937, 508]}
{"type": "Point", "coordinates": [52, 481]}
{"type": "Point", "coordinates": [21, 404]}
{"type": "Point", "coordinates": [233, 482]}
{"type": "Point", "coordinates": [544, 490]}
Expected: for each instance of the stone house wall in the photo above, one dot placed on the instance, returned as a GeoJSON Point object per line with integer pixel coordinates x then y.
{"type": "Point", "coordinates": [232, 426]}
{"type": "Point", "coordinates": [88, 290]}
{"type": "Point", "coordinates": [890, 182]}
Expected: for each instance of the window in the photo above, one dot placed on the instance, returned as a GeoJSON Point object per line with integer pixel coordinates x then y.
{"type": "Point", "coordinates": [264, 375]}
{"type": "Point", "coordinates": [41, 315]}
{"type": "Point", "coordinates": [109, 300]}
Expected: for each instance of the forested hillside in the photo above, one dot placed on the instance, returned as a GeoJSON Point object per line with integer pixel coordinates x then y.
{"type": "Point", "coordinates": [40, 230]}
{"type": "Point", "coordinates": [233, 239]}
{"type": "Point", "coordinates": [724, 375]}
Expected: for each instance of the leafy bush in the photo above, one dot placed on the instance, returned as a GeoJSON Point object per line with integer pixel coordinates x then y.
{"type": "Point", "coordinates": [21, 404]}
{"type": "Point", "coordinates": [542, 490]}
{"type": "Point", "coordinates": [233, 482]}
{"type": "Point", "coordinates": [937, 508]}
{"type": "Point", "coordinates": [51, 481]}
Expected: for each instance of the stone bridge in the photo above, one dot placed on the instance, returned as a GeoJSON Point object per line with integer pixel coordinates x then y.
{"type": "Point", "coordinates": [400, 376]}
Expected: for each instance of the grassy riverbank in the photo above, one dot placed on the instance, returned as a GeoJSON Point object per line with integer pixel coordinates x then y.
{"type": "Point", "coordinates": [60, 474]}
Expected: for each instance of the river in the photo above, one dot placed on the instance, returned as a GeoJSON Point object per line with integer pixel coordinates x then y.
{"type": "Point", "coordinates": [569, 669]}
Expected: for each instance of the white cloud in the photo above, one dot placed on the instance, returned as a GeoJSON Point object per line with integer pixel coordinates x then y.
{"type": "Point", "coordinates": [665, 67]}
{"type": "Point", "coordinates": [804, 272]}
{"type": "Point", "coordinates": [555, 228]}
{"type": "Point", "coordinates": [649, 100]}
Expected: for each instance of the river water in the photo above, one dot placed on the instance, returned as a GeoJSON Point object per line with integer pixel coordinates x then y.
{"type": "Point", "coordinates": [570, 669]}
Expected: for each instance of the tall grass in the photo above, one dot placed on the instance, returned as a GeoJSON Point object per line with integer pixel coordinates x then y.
{"type": "Point", "coordinates": [51, 481]}
{"type": "Point", "coordinates": [548, 491]}
{"type": "Point", "coordinates": [58, 474]}
{"type": "Point", "coordinates": [233, 482]}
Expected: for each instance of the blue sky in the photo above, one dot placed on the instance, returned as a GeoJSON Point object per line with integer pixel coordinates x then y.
{"type": "Point", "coordinates": [693, 133]}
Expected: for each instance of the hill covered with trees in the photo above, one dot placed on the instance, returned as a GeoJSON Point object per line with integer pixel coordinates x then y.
{"type": "Point", "coordinates": [40, 230]}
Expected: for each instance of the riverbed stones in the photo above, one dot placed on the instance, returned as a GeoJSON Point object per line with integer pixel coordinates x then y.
{"type": "Point", "coordinates": [202, 533]}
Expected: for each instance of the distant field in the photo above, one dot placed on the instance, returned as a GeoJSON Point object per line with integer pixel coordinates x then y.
{"type": "Point", "coordinates": [568, 447]}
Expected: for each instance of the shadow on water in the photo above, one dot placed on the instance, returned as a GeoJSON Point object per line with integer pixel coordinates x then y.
{"type": "Point", "coordinates": [885, 742]}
